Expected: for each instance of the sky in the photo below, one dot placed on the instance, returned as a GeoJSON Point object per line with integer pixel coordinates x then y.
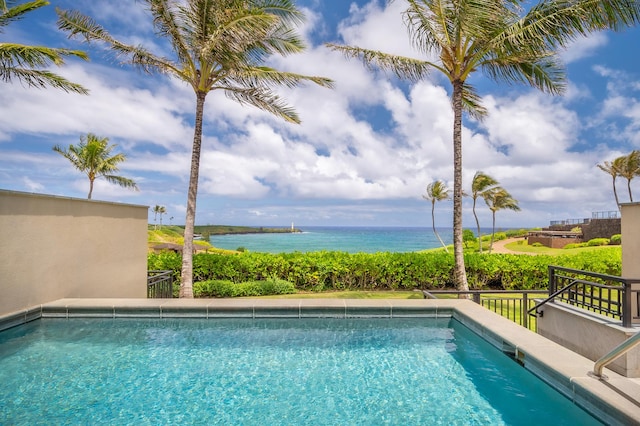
{"type": "Point", "coordinates": [365, 150]}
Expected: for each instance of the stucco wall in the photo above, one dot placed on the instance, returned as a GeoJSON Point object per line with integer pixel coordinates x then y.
{"type": "Point", "coordinates": [575, 330]}
{"type": "Point", "coordinates": [56, 247]}
{"type": "Point", "coordinates": [630, 240]}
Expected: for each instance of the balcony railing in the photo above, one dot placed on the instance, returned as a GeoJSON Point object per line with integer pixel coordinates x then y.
{"type": "Point", "coordinates": [608, 295]}
{"type": "Point", "coordinates": [159, 284]}
{"type": "Point", "coordinates": [511, 304]}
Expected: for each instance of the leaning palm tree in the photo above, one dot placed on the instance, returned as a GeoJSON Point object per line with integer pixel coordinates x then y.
{"type": "Point", "coordinates": [613, 168]}
{"type": "Point", "coordinates": [480, 184]}
{"type": "Point", "coordinates": [437, 191]}
{"type": "Point", "coordinates": [630, 169]}
{"type": "Point", "coordinates": [217, 45]}
{"type": "Point", "coordinates": [507, 41]}
{"type": "Point", "coordinates": [92, 156]}
{"type": "Point", "coordinates": [499, 199]}
{"type": "Point", "coordinates": [28, 64]}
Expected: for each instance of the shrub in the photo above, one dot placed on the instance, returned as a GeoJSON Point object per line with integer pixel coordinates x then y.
{"type": "Point", "coordinates": [537, 245]}
{"type": "Point", "coordinates": [225, 288]}
{"type": "Point", "coordinates": [616, 239]}
{"type": "Point", "coordinates": [500, 236]}
{"type": "Point", "coordinates": [468, 237]}
{"type": "Point", "coordinates": [598, 242]}
{"type": "Point", "coordinates": [255, 274]}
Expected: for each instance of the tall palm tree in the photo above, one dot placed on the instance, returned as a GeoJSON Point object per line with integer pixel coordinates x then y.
{"type": "Point", "coordinates": [613, 168]}
{"type": "Point", "coordinates": [480, 184]}
{"type": "Point", "coordinates": [458, 38]}
{"type": "Point", "coordinates": [216, 45]}
{"type": "Point", "coordinates": [156, 210]}
{"type": "Point", "coordinates": [161, 211]}
{"type": "Point", "coordinates": [437, 191]}
{"type": "Point", "coordinates": [499, 199]}
{"type": "Point", "coordinates": [28, 63]}
{"type": "Point", "coordinates": [630, 169]}
{"type": "Point", "coordinates": [92, 156]}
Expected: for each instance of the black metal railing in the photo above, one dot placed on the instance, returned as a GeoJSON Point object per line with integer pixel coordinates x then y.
{"type": "Point", "coordinates": [607, 295]}
{"type": "Point", "coordinates": [511, 304]}
{"type": "Point", "coordinates": [159, 284]}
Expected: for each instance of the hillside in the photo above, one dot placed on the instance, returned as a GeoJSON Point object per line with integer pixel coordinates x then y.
{"type": "Point", "coordinates": [174, 235]}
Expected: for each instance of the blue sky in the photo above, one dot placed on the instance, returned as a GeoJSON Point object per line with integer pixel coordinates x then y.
{"type": "Point", "coordinates": [365, 151]}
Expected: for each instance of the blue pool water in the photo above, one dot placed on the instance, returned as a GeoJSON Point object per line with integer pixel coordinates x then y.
{"type": "Point", "coordinates": [267, 372]}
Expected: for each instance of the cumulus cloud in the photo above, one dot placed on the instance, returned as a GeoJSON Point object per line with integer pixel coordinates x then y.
{"type": "Point", "coordinates": [364, 153]}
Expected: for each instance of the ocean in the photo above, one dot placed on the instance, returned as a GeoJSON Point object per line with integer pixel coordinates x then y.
{"type": "Point", "coordinates": [339, 238]}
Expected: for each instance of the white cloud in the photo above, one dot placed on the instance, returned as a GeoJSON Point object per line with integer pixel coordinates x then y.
{"type": "Point", "coordinates": [584, 47]}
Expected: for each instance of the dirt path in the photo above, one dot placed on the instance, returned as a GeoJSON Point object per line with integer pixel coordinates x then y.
{"type": "Point", "coordinates": [499, 247]}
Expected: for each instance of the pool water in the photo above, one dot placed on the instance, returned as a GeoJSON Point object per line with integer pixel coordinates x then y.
{"type": "Point", "coordinates": [267, 372]}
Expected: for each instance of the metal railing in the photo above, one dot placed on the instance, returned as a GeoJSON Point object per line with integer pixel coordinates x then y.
{"type": "Point", "coordinates": [511, 304]}
{"type": "Point", "coordinates": [611, 214]}
{"type": "Point", "coordinates": [159, 284]}
{"type": "Point", "coordinates": [607, 295]}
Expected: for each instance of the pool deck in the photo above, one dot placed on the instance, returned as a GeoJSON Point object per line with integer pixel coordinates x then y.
{"type": "Point", "coordinates": [613, 399]}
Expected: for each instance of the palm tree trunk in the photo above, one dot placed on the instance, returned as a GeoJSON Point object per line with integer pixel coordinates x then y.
{"type": "Point", "coordinates": [433, 222]}
{"type": "Point", "coordinates": [615, 193]}
{"type": "Point", "coordinates": [460, 274]}
{"type": "Point", "coordinates": [186, 284]}
{"type": "Point", "coordinates": [90, 188]}
{"type": "Point", "coordinates": [629, 188]}
{"type": "Point", "coordinates": [477, 225]}
{"type": "Point", "coordinates": [493, 231]}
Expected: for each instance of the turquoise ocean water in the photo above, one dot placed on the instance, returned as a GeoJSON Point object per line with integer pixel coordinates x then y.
{"type": "Point", "coordinates": [340, 238]}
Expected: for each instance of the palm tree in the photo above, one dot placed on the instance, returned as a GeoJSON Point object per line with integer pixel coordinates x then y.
{"type": "Point", "coordinates": [630, 169]}
{"type": "Point", "coordinates": [499, 199]}
{"type": "Point", "coordinates": [481, 183]}
{"type": "Point", "coordinates": [92, 156]}
{"type": "Point", "coordinates": [156, 210]}
{"type": "Point", "coordinates": [162, 211]}
{"type": "Point", "coordinates": [461, 37]}
{"type": "Point", "coordinates": [28, 63]}
{"type": "Point", "coordinates": [613, 168]}
{"type": "Point", "coordinates": [437, 191]}
{"type": "Point", "coordinates": [217, 45]}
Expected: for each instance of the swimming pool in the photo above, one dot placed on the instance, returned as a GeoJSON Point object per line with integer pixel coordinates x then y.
{"type": "Point", "coordinates": [267, 371]}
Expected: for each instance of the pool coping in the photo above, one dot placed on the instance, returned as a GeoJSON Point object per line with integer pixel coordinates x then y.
{"type": "Point", "coordinates": [613, 400]}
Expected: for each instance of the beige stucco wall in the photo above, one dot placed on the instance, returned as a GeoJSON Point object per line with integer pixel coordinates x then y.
{"type": "Point", "coordinates": [575, 329]}
{"type": "Point", "coordinates": [630, 240]}
{"type": "Point", "coordinates": [55, 247]}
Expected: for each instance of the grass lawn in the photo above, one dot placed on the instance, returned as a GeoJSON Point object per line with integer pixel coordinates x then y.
{"type": "Point", "coordinates": [522, 247]}
{"type": "Point", "coordinates": [350, 295]}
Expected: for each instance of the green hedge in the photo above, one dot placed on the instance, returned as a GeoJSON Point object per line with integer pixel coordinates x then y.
{"type": "Point", "coordinates": [320, 271]}
{"type": "Point", "coordinates": [220, 288]}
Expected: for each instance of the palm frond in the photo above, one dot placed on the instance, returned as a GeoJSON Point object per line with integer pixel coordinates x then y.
{"type": "Point", "coordinates": [263, 99]}
{"type": "Point", "coordinates": [122, 181]}
{"type": "Point", "coordinates": [78, 24]}
{"type": "Point", "coordinates": [472, 102]}
{"type": "Point", "coordinates": [14, 13]}
{"type": "Point", "coordinates": [541, 69]}
{"type": "Point", "coordinates": [41, 79]}
{"type": "Point", "coordinates": [401, 66]}
{"type": "Point", "coordinates": [267, 76]}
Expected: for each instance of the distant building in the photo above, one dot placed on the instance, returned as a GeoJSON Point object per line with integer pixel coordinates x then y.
{"type": "Point", "coordinates": [569, 231]}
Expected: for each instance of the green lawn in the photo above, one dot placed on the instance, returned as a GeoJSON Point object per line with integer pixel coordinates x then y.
{"type": "Point", "coordinates": [522, 247]}
{"type": "Point", "coordinates": [350, 295]}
